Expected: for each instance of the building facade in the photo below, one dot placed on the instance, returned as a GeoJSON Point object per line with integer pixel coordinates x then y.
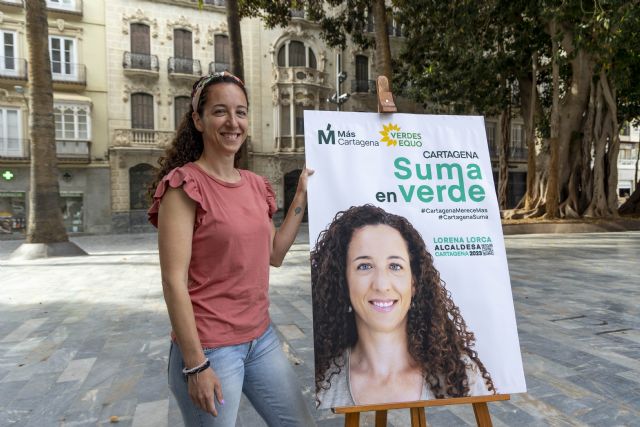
{"type": "Point", "coordinates": [628, 161]}
{"type": "Point", "coordinates": [76, 39]}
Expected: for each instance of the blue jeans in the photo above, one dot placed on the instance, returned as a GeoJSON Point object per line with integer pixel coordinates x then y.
{"type": "Point", "coordinates": [260, 370]}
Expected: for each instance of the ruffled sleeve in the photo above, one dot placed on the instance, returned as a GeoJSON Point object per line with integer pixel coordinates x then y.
{"type": "Point", "coordinates": [271, 198]}
{"type": "Point", "coordinates": [177, 178]}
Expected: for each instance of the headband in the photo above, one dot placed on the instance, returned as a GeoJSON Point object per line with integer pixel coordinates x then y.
{"type": "Point", "coordinates": [195, 99]}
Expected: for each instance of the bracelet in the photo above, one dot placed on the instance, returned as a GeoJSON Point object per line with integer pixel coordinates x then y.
{"type": "Point", "coordinates": [196, 370]}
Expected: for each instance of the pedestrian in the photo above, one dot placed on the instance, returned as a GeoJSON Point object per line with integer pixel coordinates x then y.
{"type": "Point", "coordinates": [216, 240]}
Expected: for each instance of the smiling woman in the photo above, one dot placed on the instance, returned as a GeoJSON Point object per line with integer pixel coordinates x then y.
{"type": "Point", "coordinates": [385, 327]}
{"type": "Point", "coordinates": [216, 242]}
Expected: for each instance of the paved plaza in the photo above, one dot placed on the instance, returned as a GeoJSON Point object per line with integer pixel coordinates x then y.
{"type": "Point", "coordinates": [84, 340]}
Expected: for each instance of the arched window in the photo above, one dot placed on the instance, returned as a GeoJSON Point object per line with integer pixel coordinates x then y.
{"type": "Point", "coordinates": [140, 177]}
{"type": "Point", "coordinates": [296, 54]}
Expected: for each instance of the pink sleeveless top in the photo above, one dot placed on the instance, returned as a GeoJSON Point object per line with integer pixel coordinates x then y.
{"type": "Point", "coordinates": [229, 268]}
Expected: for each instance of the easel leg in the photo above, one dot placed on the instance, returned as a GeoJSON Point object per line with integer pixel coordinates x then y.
{"type": "Point", "coordinates": [381, 418]}
{"type": "Point", "coordinates": [481, 411]}
{"type": "Point", "coordinates": [352, 419]}
{"type": "Point", "coordinates": [418, 417]}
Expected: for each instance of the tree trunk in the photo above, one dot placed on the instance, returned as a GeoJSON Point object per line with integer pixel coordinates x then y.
{"type": "Point", "coordinates": [383, 49]}
{"type": "Point", "coordinates": [503, 158]}
{"type": "Point", "coordinates": [613, 146]}
{"type": "Point", "coordinates": [551, 199]}
{"type": "Point", "coordinates": [237, 68]}
{"type": "Point", "coordinates": [45, 224]}
{"type": "Point", "coordinates": [528, 99]}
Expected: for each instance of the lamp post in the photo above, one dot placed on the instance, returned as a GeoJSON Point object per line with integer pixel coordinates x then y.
{"type": "Point", "coordinates": [339, 98]}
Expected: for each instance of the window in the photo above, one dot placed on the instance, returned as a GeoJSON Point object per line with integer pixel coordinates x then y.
{"type": "Point", "coordinates": [221, 53]}
{"type": "Point", "coordinates": [10, 130]}
{"type": "Point", "coordinates": [285, 120]}
{"type": "Point", "coordinates": [181, 107]}
{"type": "Point", "coordinates": [9, 51]}
{"type": "Point", "coordinates": [296, 54]}
{"type": "Point", "coordinates": [62, 52]}
{"type": "Point", "coordinates": [72, 122]}
{"type": "Point", "coordinates": [182, 51]}
{"type": "Point", "coordinates": [299, 110]}
{"type": "Point", "coordinates": [140, 177]}
{"type": "Point", "coordinates": [62, 4]}
{"type": "Point", "coordinates": [517, 149]}
{"type": "Point", "coordinates": [140, 47]}
{"type": "Point", "coordinates": [626, 130]}
{"type": "Point", "coordinates": [141, 111]}
{"type": "Point", "coordinates": [362, 74]}
{"type": "Point", "coordinates": [490, 127]}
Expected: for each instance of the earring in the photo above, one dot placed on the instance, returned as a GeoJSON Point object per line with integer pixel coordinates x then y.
{"type": "Point", "coordinates": [349, 310]}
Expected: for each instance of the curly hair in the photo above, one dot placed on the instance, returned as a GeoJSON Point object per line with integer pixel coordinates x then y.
{"type": "Point", "coordinates": [438, 338]}
{"type": "Point", "coordinates": [187, 144]}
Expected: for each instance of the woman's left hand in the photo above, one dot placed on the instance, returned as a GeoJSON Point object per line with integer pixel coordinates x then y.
{"type": "Point", "coordinates": [303, 180]}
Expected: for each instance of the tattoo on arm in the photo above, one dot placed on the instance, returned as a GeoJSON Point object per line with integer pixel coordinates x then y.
{"type": "Point", "coordinates": [298, 210]}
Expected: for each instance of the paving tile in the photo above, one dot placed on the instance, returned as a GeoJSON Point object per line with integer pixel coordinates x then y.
{"type": "Point", "coordinates": [111, 310]}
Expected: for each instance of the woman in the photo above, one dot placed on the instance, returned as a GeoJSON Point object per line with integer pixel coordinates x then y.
{"type": "Point", "coordinates": [385, 327]}
{"type": "Point", "coordinates": [216, 241]}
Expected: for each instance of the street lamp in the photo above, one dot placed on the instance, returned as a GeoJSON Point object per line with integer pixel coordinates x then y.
{"type": "Point", "coordinates": [339, 98]}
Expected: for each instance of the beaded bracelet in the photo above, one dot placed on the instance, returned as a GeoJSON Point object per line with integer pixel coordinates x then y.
{"type": "Point", "coordinates": [196, 370]}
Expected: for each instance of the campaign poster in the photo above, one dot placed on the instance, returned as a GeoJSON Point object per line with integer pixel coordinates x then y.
{"type": "Point", "coordinates": [410, 284]}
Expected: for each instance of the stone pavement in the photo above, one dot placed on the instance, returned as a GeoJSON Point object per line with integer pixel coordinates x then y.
{"type": "Point", "coordinates": [85, 339]}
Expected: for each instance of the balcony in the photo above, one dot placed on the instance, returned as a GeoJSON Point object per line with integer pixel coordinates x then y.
{"type": "Point", "coordinates": [142, 138]}
{"type": "Point", "coordinates": [13, 68]}
{"type": "Point", "coordinates": [140, 64]}
{"type": "Point", "coordinates": [518, 153]}
{"type": "Point", "coordinates": [73, 151]}
{"type": "Point", "coordinates": [218, 67]}
{"type": "Point", "coordinates": [73, 7]}
{"type": "Point", "coordinates": [363, 86]}
{"type": "Point", "coordinates": [286, 144]}
{"type": "Point", "coordinates": [303, 75]}
{"type": "Point", "coordinates": [14, 149]}
{"type": "Point", "coordinates": [219, 3]}
{"type": "Point", "coordinates": [184, 68]}
{"type": "Point", "coordinates": [67, 74]}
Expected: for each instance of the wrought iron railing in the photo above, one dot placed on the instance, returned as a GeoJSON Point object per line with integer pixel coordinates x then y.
{"type": "Point", "coordinates": [184, 66]}
{"type": "Point", "coordinates": [518, 153]}
{"type": "Point", "coordinates": [363, 86]}
{"type": "Point", "coordinates": [217, 67]}
{"type": "Point", "coordinates": [140, 61]}
{"type": "Point", "coordinates": [67, 72]}
{"type": "Point", "coordinates": [13, 68]}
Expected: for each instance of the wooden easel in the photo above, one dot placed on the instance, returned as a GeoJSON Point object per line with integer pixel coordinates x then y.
{"type": "Point", "coordinates": [386, 104]}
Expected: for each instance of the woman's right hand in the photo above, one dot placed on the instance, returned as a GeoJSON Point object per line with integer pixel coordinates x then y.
{"type": "Point", "coordinates": [204, 388]}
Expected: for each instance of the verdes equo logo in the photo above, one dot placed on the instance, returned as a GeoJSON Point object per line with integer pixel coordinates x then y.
{"type": "Point", "coordinates": [394, 137]}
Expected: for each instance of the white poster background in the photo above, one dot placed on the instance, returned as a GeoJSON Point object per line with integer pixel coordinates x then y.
{"type": "Point", "coordinates": [353, 170]}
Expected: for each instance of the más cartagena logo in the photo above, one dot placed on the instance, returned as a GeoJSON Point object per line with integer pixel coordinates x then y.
{"type": "Point", "coordinates": [394, 137]}
{"type": "Point", "coordinates": [343, 137]}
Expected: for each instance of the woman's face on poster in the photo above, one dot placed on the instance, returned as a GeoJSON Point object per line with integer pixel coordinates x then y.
{"type": "Point", "coordinates": [379, 278]}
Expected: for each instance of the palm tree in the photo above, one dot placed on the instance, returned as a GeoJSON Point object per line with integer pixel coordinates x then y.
{"type": "Point", "coordinates": [46, 235]}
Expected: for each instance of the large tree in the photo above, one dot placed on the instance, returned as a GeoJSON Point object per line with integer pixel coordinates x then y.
{"type": "Point", "coordinates": [46, 234]}
{"type": "Point", "coordinates": [587, 43]}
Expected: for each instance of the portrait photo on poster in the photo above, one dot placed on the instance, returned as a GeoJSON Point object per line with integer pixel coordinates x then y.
{"type": "Point", "coordinates": [385, 326]}
{"type": "Point", "coordinates": [411, 293]}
